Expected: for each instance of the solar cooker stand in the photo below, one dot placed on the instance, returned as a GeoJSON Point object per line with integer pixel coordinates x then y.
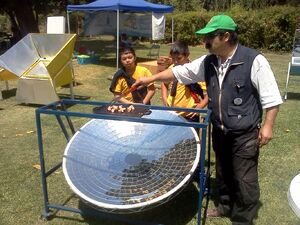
{"type": "Point", "coordinates": [62, 109]}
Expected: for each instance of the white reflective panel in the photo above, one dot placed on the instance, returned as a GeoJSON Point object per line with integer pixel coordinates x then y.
{"type": "Point", "coordinates": [294, 195]}
{"type": "Point", "coordinates": [34, 48]}
{"type": "Point", "coordinates": [39, 70]}
{"type": "Point", "coordinates": [48, 45]}
{"type": "Point", "coordinates": [20, 57]}
{"type": "Point", "coordinates": [123, 166]}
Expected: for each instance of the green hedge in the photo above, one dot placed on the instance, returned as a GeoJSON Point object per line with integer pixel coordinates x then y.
{"type": "Point", "coordinates": [271, 28]}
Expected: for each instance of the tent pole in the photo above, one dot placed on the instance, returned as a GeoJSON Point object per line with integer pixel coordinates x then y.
{"type": "Point", "coordinates": [118, 35]}
{"type": "Point", "coordinates": [172, 29]}
{"type": "Point", "coordinates": [68, 22]}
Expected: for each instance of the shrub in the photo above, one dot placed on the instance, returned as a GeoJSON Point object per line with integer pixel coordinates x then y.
{"type": "Point", "coordinates": [271, 28]}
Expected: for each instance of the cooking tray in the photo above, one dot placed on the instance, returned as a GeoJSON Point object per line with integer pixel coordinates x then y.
{"type": "Point", "coordinates": [139, 111]}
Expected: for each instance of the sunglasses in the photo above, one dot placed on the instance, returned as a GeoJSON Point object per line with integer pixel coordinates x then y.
{"type": "Point", "coordinates": [211, 36]}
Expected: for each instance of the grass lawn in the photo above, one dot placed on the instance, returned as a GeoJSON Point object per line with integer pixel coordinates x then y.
{"type": "Point", "coordinates": [21, 200]}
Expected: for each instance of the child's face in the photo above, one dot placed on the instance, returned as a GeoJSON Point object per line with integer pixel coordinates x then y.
{"type": "Point", "coordinates": [179, 59]}
{"type": "Point", "coordinates": [128, 60]}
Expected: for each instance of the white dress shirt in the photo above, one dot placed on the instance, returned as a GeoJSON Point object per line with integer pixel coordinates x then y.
{"type": "Point", "coordinates": [262, 77]}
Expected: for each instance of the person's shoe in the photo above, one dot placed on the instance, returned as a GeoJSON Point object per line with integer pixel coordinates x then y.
{"type": "Point", "coordinates": [213, 213]}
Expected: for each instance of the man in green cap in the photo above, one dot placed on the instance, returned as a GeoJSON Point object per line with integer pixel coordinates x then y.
{"type": "Point", "coordinates": [240, 85]}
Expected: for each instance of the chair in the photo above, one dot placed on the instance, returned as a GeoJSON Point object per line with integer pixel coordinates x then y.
{"type": "Point", "coordinates": [293, 70]}
{"type": "Point", "coordinates": [154, 51]}
{"type": "Point", "coordinates": [294, 65]}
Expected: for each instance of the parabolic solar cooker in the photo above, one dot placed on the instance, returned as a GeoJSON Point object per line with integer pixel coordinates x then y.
{"type": "Point", "coordinates": [124, 167]}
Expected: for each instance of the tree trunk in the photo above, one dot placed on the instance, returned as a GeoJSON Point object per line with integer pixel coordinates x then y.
{"type": "Point", "coordinates": [209, 5]}
{"type": "Point", "coordinates": [25, 18]}
{"type": "Point", "coordinates": [16, 35]}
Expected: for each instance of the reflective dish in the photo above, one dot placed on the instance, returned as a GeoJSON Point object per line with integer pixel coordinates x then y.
{"type": "Point", "coordinates": [123, 167]}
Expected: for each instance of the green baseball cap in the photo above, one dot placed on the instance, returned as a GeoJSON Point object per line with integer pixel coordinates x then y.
{"type": "Point", "coordinates": [218, 22]}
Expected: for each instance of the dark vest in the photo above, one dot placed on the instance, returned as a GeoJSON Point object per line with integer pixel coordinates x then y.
{"type": "Point", "coordinates": [236, 107]}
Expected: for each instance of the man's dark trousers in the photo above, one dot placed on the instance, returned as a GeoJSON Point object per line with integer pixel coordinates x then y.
{"type": "Point", "coordinates": [236, 173]}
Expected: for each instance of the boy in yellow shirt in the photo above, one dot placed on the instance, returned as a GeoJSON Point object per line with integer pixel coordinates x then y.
{"type": "Point", "coordinates": [180, 95]}
{"type": "Point", "coordinates": [127, 75]}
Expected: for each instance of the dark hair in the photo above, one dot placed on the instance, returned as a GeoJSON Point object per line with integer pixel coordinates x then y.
{"type": "Point", "coordinates": [123, 35]}
{"type": "Point", "coordinates": [124, 50]}
{"type": "Point", "coordinates": [233, 39]}
{"type": "Point", "coordinates": [179, 48]}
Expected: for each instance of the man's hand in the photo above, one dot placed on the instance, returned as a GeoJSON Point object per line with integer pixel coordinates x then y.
{"type": "Point", "coordinates": [199, 105]}
{"type": "Point", "coordinates": [165, 76]}
{"type": "Point", "coordinates": [265, 135]}
{"type": "Point", "coordinates": [266, 132]}
{"type": "Point", "coordinates": [163, 63]}
{"type": "Point", "coordinates": [143, 81]}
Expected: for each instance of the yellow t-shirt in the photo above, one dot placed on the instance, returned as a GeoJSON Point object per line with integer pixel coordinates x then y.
{"type": "Point", "coordinates": [122, 86]}
{"type": "Point", "coordinates": [183, 97]}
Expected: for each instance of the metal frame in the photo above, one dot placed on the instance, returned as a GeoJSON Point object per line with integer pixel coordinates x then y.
{"type": "Point", "coordinates": [293, 70]}
{"type": "Point", "coordinates": [294, 64]}
{"type": "Point", "coordinates": [154, 51]}
{"type": "Point", "coordinates": [59, 109]}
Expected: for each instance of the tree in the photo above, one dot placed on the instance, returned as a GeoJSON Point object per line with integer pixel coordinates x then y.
{"type": "Point", "coordinates": [24, 17]}
{"type": "Point", "coordinates": [192, 5]}
{"type": "Point", "coordinates": [181, 5]}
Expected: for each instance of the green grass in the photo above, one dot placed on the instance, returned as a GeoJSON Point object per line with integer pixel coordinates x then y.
{"type": "Point", "coordinates": [21, 200]}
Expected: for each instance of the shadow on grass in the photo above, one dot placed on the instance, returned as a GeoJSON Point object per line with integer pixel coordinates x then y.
{"type": "Point", "coordinates": [76, 97]}
{"type": "Point", "coordinates": [178, 211]}
{"type": "Point", "coordinates": [109, 62]}
{"type": "Point", "coordinates": [68, 96]}
{"type": "Point", "coordinates": [74, 84]}
{"type": "Point", "coordinates": [259, 206]}
{"type": "Point", "coordinates": [9, 93]}
{"type": "Point", "coordinates": [213, 196]}
{"type": "Point", "coordinates": [31, 105]}
{"type": "Point", "coordinates": [54, 213]}
{"type": "Point", "coordinates": [61, 96]}
{"type": "Point", "coordinates": [293, 96]}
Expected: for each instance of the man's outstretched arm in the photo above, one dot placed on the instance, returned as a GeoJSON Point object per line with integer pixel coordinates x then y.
{"type": "Point", "coordinates": [164, 76]}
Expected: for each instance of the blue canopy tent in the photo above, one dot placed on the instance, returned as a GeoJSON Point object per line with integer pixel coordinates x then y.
{"type": "Point", "coordinates": [120, 6]}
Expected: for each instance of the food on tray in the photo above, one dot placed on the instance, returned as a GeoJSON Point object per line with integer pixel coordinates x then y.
{"type": "Point", "coordinates": [120, 108]}
{"type": "Point", "coordinates": [130, 108]}
{"type": "Point", "coordinates": [112, 108]}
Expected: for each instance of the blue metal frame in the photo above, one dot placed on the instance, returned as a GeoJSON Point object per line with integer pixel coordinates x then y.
{"type": "Point", "coordinates": [59, 109]}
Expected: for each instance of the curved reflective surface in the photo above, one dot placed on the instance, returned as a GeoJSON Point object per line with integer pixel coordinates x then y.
{"type": "Point", "coordinates": [121, 165]}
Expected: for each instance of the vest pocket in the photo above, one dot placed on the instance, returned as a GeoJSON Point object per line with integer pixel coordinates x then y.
{"type": "Point", "coordinates": [238, 118]}
{"type": "Point", "coordinates": [237, 111]}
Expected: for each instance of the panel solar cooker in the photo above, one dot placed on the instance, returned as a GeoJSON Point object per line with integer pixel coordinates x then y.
{"type": "Point", "coordinates": [123, 167]}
